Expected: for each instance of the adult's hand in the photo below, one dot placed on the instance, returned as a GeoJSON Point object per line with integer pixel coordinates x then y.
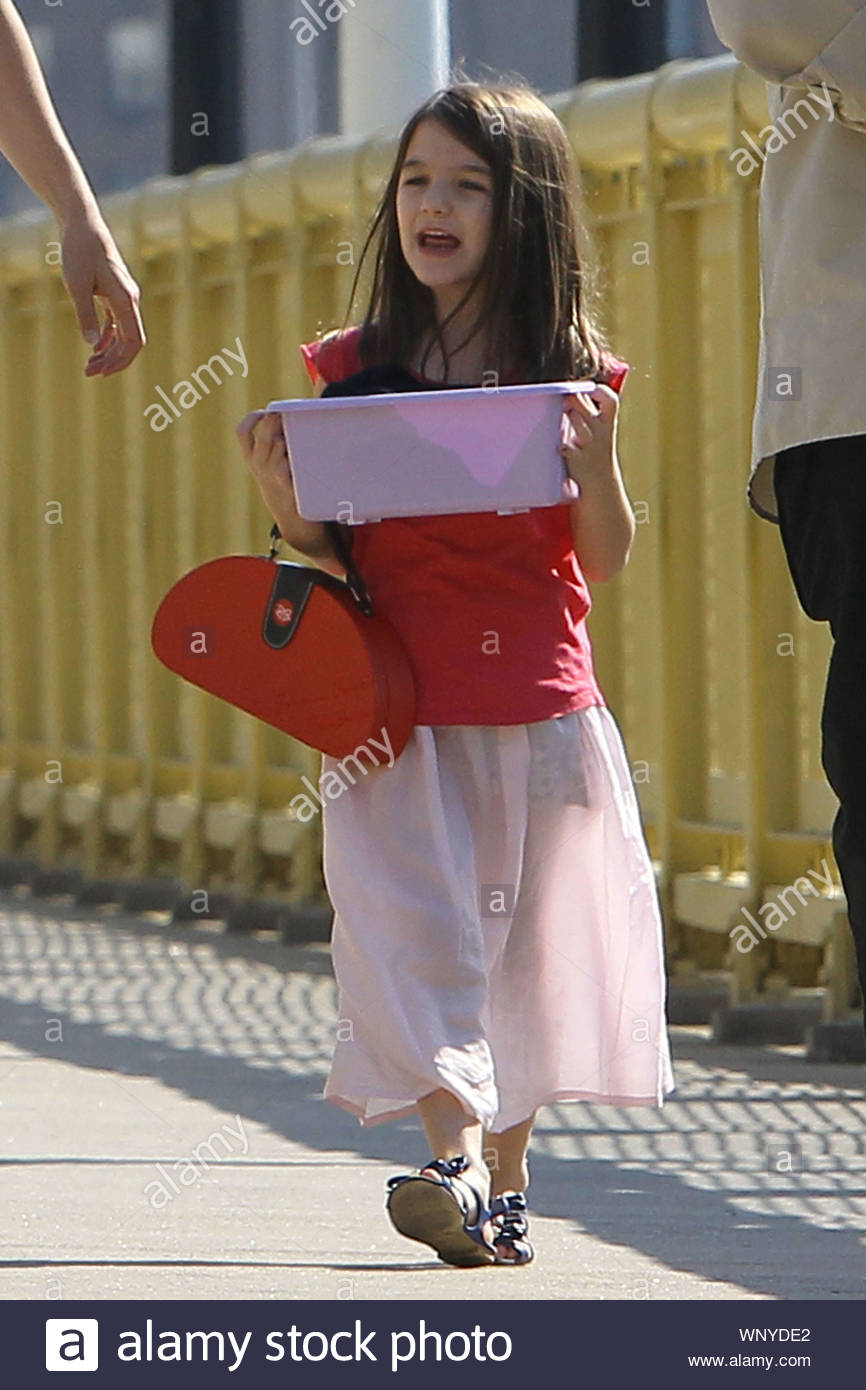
{"type": "Point", "coordinates": [95, 273]}
{"type": "Point", "coordinates": [35, 143]}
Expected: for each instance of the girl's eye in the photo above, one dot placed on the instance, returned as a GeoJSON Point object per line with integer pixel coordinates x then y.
{"type": "Point", "coordinates": [464, 183]}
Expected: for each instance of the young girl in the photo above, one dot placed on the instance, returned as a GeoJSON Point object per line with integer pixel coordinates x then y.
{"type": "Point", "coordinates": [497, 938]}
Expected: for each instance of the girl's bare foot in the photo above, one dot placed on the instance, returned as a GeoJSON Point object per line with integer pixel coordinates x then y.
{"type": "Point", "coordinates": [479, 1176]}
{"type": "Point", "coordinates": [505, 1181]}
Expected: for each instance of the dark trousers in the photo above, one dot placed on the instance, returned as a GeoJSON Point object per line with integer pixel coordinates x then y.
{"type": "Point", "coordinates": [821, 491]}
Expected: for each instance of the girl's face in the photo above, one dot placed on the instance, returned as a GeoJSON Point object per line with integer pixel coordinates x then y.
{"type": "Point", "coordinates": [444, 187]}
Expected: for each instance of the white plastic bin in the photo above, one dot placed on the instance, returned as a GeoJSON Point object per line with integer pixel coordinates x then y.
{"type": "Point", "coordinates": [469, 449]}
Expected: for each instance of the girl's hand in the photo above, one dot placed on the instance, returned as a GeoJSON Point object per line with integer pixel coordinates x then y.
{"type": "Point", "coordinates": [590, 453]}
{"type": "Point", "coordinates": [602, 520]}
{"type": "Point", "coordinates": [263, 446]}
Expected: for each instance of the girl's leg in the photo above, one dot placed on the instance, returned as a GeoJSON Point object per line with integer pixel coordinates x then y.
{"type": "Point", "coordinates": [505, 1155]}
{"type": "Point", "coordinates": [451, 1131]}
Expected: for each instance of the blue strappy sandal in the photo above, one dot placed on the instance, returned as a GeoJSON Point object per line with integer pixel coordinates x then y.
{"type": "Point", "coordinates": [511, 1227]}
{"type": "Point", "coordinates": [436, 1212]}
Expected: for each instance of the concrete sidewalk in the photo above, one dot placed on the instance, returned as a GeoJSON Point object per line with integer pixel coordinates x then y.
{"type": "Point", "coordinates": [162, 1136]}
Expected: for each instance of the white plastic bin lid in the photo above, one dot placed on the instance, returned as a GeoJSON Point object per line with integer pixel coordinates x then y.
{"type": "Point", "coordinates": [429, 452]}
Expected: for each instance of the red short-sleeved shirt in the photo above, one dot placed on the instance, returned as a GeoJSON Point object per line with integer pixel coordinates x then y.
{"type": "Point", "coordinates": [491, 609]}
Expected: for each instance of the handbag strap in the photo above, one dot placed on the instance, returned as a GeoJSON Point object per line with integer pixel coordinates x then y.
{"type": "Point", "coordinates": [343, 552]}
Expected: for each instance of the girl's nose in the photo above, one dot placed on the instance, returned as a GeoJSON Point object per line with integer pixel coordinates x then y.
{"type": "Point", "coordinates": [435, 200]}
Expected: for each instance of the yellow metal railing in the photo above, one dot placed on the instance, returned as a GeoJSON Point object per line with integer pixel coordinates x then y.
{"type": "Point", "coordinates": [715, 676]}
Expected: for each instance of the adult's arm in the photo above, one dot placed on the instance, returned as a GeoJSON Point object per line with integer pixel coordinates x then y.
{"type": "Point", "coordinates": [801, 43]}
{"type": "Point", "coordinates": [36, 145]}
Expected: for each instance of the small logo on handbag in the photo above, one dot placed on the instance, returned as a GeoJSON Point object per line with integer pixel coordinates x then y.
{"type": "Point", "coordinates": [283, 612]}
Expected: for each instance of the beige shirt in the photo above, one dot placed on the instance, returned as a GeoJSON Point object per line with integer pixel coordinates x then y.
{"type": "Point", "coordinates": [812, 225]}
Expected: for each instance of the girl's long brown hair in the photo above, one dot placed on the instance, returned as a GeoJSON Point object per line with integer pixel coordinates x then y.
{"type": "Point", "coordinates": [539, 293]}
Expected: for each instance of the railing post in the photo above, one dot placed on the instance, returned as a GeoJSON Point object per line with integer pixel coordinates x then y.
{"type": "Point", "coordinates": [393, 54]}
{"type": "Point", "coordinates": [618, 40]}
{"type": "Point", "coordinates": [206, 111]}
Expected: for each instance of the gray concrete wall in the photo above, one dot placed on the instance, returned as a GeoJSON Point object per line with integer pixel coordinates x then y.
{"type": "Point", "coordinates": [539, 42]}
{"type": "Point", "coordinates": [690, 33]}
{"type": "Point", "coordinates": [290, 87]}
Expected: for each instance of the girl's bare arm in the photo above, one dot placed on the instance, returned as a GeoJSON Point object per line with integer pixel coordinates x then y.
{"type": "Point", "coordinates": [603, 527]}
{"type": "Point", "coordinates": [602, 521]}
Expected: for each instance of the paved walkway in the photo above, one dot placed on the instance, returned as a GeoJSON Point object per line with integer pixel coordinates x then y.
{"type": "Point", "coordinates": [162, 1135]}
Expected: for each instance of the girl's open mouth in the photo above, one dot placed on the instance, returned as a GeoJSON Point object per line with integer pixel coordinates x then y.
{"type": "Point", "coordinates": [438, 243]}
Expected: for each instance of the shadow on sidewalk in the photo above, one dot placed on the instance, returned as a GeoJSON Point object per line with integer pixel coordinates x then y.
{"type": "Point", "coordinates": [247, 1025]}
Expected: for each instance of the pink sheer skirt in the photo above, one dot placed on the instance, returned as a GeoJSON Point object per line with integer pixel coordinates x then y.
{"type": "Point", "coordinates": [497, 928]}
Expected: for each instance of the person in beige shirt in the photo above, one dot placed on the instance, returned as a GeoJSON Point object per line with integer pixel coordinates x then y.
{"type": "Point", "coordinates": [34, 142]}
{"type": "Point", "coordinates": [809, 432]}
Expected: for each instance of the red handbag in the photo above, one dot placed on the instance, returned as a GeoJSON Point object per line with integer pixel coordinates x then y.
{"type": "Point", "coordinates": [293, 646]}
